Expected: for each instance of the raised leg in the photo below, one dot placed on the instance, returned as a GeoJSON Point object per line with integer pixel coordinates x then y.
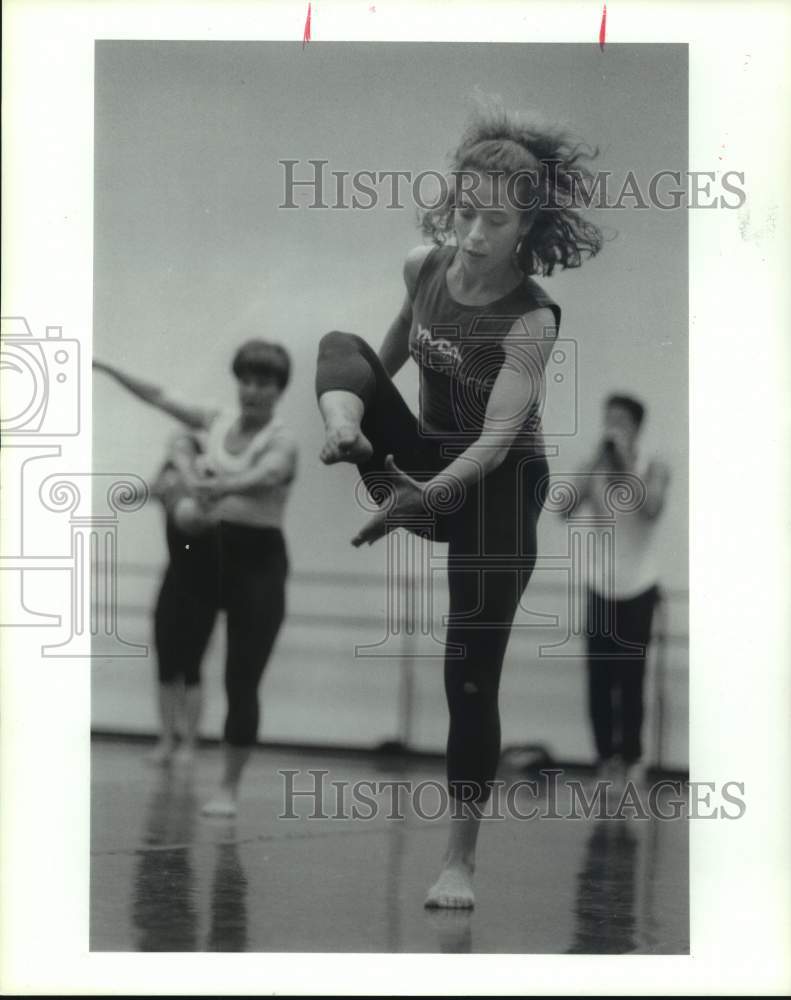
{"type": "Point", "coordinates": [365, 416]}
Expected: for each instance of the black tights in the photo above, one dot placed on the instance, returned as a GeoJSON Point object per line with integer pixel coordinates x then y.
{"type": "Point", "coordinates": [491, 554]}
{"type": "Point", "coordinates": [618, 635]}
{"type": "Point", "coordinates": [242, 570]}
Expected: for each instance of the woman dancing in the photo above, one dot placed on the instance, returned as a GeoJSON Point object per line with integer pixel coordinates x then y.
{"type": "Point", "coordinates": [480, 330]}
{"type": "Point", "coordinates": [240, 483]}
{"type": "Point", "coordinates": [188, 586]}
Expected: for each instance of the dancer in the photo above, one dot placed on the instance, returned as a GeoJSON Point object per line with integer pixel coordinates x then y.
{"type": "Point", "coordinates": [621, 597]}
{"type": "Point", "coordinates": [241, 484]}
{"type": "Point", "coordinates": [187, 592]}
{"type": "Point", "coordinates": [480, 329]}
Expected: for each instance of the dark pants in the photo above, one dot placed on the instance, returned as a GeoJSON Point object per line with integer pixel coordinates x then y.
{"type": "Point", "coordinates": [491, 555]}
{"type": "Point", "coordinates": [238, 568]}
{"type": "Point", "coordinates": [618, 635]}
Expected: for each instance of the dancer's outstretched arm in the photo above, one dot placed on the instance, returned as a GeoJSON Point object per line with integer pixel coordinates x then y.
{"type": "Point", "coordinates": [195, 417]}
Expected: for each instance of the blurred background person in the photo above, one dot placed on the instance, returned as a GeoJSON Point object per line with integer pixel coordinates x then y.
{"type": "Point", "coordinates": [621, 595]}
{"type": "Point", "coordinates": [239, 480]}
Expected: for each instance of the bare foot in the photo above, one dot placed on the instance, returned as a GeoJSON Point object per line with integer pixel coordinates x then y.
{"type": "Point", "coordinates": [453, 888]}
{"type": "Point", "coordinates": [453, 928]}
{"type": "Point", "coordinates": [345, 443]}
{"type": "Point", "coordinates": [636, 774]}
{"type": "Point", "coordinates": [223, 804]}
{"type": "Point", "coordinates": [609, 777]}
{"type": "Point", "coordinates": [161, 755]}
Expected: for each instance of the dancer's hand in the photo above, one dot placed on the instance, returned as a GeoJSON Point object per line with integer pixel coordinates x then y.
{"type": "Point", "coordinates": [613, 453]}
{"type": "Point", "coordinates": [408, 503]}
{"type": "Point", "coordinates": [208, 489]}
{"type": "Point", "coordinates": [619, 449]}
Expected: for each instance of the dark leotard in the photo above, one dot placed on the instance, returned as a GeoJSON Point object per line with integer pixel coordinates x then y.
{"type": "Point", "coordinates": [492, 531]}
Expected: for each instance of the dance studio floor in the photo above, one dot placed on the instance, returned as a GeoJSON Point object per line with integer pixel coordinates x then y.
{"type": "Point", "coordinates": [163, 878]}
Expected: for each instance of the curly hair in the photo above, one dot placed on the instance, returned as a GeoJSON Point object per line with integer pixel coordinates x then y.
{"type": "Point", "coordinates": [548, 170]}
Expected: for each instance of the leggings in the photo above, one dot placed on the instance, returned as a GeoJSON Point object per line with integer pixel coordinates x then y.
{"type": "Point", "coordinates": [616, 673]}
{"type": "Point", "coordinates": [242, 570]}
{"type": "Point", "coordinates": [491, 552]}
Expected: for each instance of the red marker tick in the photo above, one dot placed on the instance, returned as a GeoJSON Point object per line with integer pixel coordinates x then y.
{"type": "Point", "coordinates": [603, 28]}
{"type": "Point", "coordinates": [306, 32]}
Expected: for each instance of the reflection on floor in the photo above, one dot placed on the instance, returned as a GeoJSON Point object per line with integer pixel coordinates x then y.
{"type": "Point", "coordinates": [165, 879]}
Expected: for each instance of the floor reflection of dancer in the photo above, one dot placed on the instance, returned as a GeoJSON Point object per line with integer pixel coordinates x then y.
{"type": "Point", "coordinates": [164, 884]}
{"type": "Point", "coordinates": [605, 909]}
{"type": "Point", "coordinates": [228, 930]}
{"type": "Point", "coordinates": [480, 330]}
{"type": "Point", "coordinates": [167, 876]}
{"type": "Point", "coordinates": [241, 483]}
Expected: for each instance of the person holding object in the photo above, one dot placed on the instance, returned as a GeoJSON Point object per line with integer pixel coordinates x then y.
{"type": "Point", "coordinates": [622, 593]}
{"type": "Point", "coordinates": [240, 483]}
{"type": "Point", "coordinates": [480, 329]}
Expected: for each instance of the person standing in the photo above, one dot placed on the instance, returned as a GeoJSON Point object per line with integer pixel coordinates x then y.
{"type": "Point", "coordinates": [479, 328]}
{"type": "Point", "coordinates": [623, 588]}
{"type": "Point", "coordinates": [240, 481]}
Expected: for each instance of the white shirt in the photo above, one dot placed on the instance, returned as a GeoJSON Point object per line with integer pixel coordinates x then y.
{"type": "Point", "coordinates": [620, 559]}
{"type": "Point", "coordinates": [265, 506]}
